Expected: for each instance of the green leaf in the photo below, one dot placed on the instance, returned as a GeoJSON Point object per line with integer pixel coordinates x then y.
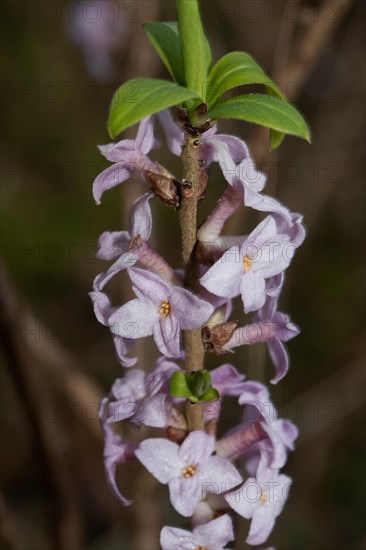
{"type": "Point", "coordinates": [141, 97]}
{"type": "Point", "coordinates": [164, 37]}
{"type": "Point", "coordinates": [194, 45]}
{"type": "Point", "coordinates": [276, 138]}
{"type": "Point", "coordinates": [236, 69]}
{"type": "Point", "coordinates": [211, 395]}
{"type": "Point", "coordinates": [178, 385]}
{"type": "Point", "coordinates": [265, 110]}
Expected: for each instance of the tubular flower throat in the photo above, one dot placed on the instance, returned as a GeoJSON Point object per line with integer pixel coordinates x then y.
{"type": "Point", "coordinates": [164, 309]}
{"type": "Point", "coordinates": [247, 263]}
{"type": "Point", "coordinates": [189, 472]}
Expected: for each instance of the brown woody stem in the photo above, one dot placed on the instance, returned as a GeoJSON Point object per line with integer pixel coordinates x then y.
{"type": "Point", "coordinates": [188, 224]}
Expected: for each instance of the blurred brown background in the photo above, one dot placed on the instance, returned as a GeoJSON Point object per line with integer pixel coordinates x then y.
{"type": "Point", "coordinates": [61, 62]}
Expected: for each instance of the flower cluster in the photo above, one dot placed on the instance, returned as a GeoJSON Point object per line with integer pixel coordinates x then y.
{"type": "Point", "coordinates": [208, 475]}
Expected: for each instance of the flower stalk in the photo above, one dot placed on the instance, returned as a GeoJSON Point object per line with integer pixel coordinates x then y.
{"type": "Point", "coordinates": [188, 224]}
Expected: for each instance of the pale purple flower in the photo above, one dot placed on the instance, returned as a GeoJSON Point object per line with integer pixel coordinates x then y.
{"type": "Point", "coordinates": [117, 450]}
{"type": "Point", "coordinates": [103, 310]}
{"type": "Point", "coordinates": [272, 327]}
{"type": "Point", "coordinates": [253, 182]}
{"type": "Point", "coordinates": [211, 536]}
{"type": "Point", "coordinates": [160, 309]}
{"type": "Point", "coordinates": [189, 470]}
{"type": "Point", "coordinates": [227, 380]}
{"type": "Point", "coordinates": [243, 270]}
{"type": "Point", "coordinates": [261, 434]}
{"type": "Point", "coordinates": [115, 244]}
{"type": "Point", "coordinates": [129, 156]}
{"type": "Point", "coordinates": [140, 398]}
{"type": "Point", "coordinates": [118, 243]}
{"type": "Point", "coordinates": [261, 499]}
{"type": "Point", "coordinates": [281, 433]}
{"type": "Point", "coordinates": [214, 147]}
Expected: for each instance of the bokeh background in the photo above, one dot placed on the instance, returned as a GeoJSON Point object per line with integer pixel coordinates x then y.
{"type": "Point", "coordinates": [61, 62]}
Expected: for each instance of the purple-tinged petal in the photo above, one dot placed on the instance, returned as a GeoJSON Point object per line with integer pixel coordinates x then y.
{"type": "Point", "coordinates": [116, 152]}
{"type": "Point", "coordinates": [253, 291]}
{"type": "Point", "coordinates": [191, 311]}
{"type": "Point", "coordinates": [151, 411]}
{"type": "Point", "coordinates": [197, 448]}
{"type": "Point", "coordinates": [160, 375]}
{"type": "Point", "coordinates": [160, 457]}
{"type": "Point", "coordinates": [279, 358]}
{"type": "Point", "coordinates": [216, 534]}
{"type": "Point", "coordinates": [173, 134]}
{"type": "Point", "coordinates": [124, 346]}
{"type": "Point", "coordinates": [141, 218]}
{"type": "Point", "coordinates": [184, 494]}
{"type": "Point", "coordinates": [112, 176]}
{"type": "Point", "coordinates": [264, 203]}
{"type": "Point", "coordinates": [250, 177]}
{"type": "Point", "coordinates": [218, 475]}
{"type": "Point", "coordinates": [116, 451]}
{"type": "Point", "coordinates": [288, 432]}
{"type": "Point", "coordinates": [167, 335]}
{"type": "Point", "coordinates": [172, 538]}
{"type": "Point", "coordinates": [126, 260]}
{"type": "Point", "coordinates": [102, 306]}
{"type": "Point", "coordinates": [263, 233]}
{"type": "Point", "coordinates": [148, 286]}
{"type": "Point", "coordinates": [261, 525]}
{"type": "Point", "coordinates": [131, 387]}
{"type": "Point", "coordinates": [227, 380]}
{"type": "Point", "coordinates": [224, 277]}
{"type": "Point", "coordinates": [294, 230]}
{"type": "Point", "coordinates": [113, 244]}
{"type": "Point", "coordinates": [274, 286]}
{"type": "Point", "coordinates": [244, 500]}
{"type": "Point", "coordinates": [133, 320]}
{"type": "Point", "coordinates": [145, 140]}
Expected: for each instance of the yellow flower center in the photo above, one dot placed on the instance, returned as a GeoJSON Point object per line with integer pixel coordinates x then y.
{"type": "Point", "coordinates": [189, 471]}
{"type": "Point", "coordinates": [247, 263]}
{"type": "Point", "coordinates": [263, 498]}
{"type": "Point", "coordinates": [164, 309]}
{"type": "Point", "coordinates": [201, 548]}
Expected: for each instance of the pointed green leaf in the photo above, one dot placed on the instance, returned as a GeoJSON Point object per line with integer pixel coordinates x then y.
{"type": "Point", "coordinates": [211, 395]}
{"type": "Point", "coordinates": [141, 97]}
{"type": "Point", "coordinates": [236, 69]}
{"type": "Point", "coordinates": [178, 385]}
{"type": "Point", "coordinates": [194, 45]}
{"type": "Point", "coordinates": [265, 110]}
{"type": "Point", "coordinates": [164, 37]}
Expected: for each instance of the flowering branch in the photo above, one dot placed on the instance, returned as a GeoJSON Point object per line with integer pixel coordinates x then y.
{"type": "Point", "coordinates": [192, 307]}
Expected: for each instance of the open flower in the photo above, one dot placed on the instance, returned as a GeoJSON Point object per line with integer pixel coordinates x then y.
{"type": "Point", "coordinates": [243, 270]}
{"type": "Point", "coordinates": [117, 450]}
{"type": "Point", "coordinates": [214, 147]}
{"type": "Point", "coordinates": [160, 309]}
{"type": "Point", "coordinates": [272, 327]}
{"type": "Point", "coordinates": [213, 535]}
{"type": "Point", "coordinates": [141, 397]}
{"type": "Point", "coordinates": [260, 499]}
{"type": "Point", "coordinates": [117, 244]}
{"type": "Point", "coordinates": [129, 156]}
{"type": "Point", "coordinates": [190, 470]}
